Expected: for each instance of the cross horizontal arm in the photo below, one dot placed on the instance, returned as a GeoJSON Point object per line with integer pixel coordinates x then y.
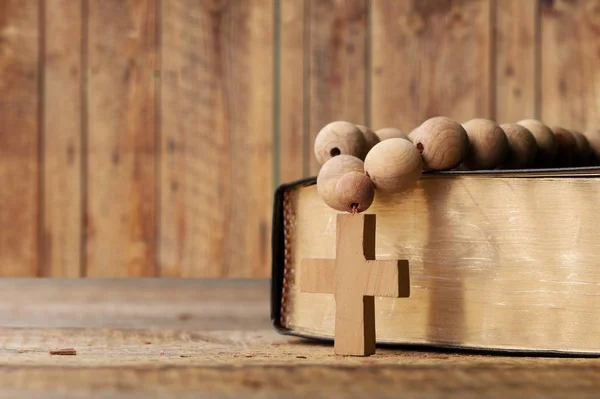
{"type": "Point", "coordinates": [317, 276]}
{"type": "Point", "coordinates": [388, 278]}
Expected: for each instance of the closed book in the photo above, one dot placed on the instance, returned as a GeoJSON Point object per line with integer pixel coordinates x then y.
{"type": "Point", "coordinates": [498, 260]}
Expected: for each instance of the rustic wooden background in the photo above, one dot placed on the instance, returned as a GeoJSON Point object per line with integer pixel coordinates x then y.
{"type": "Point", "coordinates": [146, 137]}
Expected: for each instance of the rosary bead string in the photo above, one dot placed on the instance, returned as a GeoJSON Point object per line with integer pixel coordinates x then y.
{"type": "Point", "coordinates": [394, 161]}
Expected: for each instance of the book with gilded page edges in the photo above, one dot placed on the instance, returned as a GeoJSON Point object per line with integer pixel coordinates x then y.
{"type": "Point", "coordinates": [498, 260]}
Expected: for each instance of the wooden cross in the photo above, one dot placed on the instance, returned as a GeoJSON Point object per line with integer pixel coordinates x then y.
{"type": "Point", "coordinates": [355, 278]}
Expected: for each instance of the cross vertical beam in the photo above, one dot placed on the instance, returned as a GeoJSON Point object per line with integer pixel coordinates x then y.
{"type": "Point", "coordinates": [355, 278]}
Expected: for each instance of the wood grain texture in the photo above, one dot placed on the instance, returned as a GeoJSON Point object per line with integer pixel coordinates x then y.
{"type": "Point", "coordinates": [430, 58]}
{"type": "Point", "coordinates": [175, 304]}
{"type": "Point", "coordinates": [121, 206]}
{"type": "Point", "coordinates": [255, 203]}
{"type": "Point", "coordinates": [337, 34]}
{"type": "Point", "coordinates": [19, 137]}
{"type": "Point", "coordinates": [516, 57]}
{"type": "Point", "coordinates": [569, 51]}
{"type": "Point", "coordinates": [216, 152]}
{"type": "Point", "coordinates": [210, 355]}
{"type": "Point", "coordinates": [294, 143]}
{"type": "Point", "coordinates": [178, 379]}
{"type": "Point", "coordinates": [160, 154]}
{"type": "Point", "coordinates": [60, 254]}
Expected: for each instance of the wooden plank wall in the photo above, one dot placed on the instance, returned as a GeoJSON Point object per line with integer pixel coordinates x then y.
{"type": "Point", "coordinates": [145, 137]}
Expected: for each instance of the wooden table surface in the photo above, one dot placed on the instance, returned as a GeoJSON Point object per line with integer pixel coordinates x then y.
{"type": "Point", "coordinates": [213, 339]}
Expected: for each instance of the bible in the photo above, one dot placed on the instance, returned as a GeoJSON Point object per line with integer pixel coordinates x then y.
{"type": "Point", "coordinates": [499, 261]}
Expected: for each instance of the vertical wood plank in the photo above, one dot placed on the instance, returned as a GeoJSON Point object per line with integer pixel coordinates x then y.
{"type": "Point", "coordinates": [338, 65]}
{"type": "Point", "coordinates": [19, 138]}
{"type": "Point", "coordinates": [185, 234]}
{"type": "Point", "coordinates": [62, 224]}
{"type": "Point", "coordinates": [255, 206]}
{"type": "Point", "coordinates": [570, 68]}
{"type": "Point", "coordinates": [430, 58]}
{"type": "Point", "coordinates": [216, 172]}
{"type": "Point", "coordinates": [292, 67]}
{"type": "Point", "coordinates": [121, 138]}
{"type": "Point", "coordinates": [516, 69]}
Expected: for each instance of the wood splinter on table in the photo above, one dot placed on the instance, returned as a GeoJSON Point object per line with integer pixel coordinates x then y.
{"type": "Point", "coordinates": [64, 352]}
{"type": "Point", "coordinates": [355, 278]}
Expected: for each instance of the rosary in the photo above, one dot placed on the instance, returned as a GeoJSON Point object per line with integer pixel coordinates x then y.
{"type": "Point", "coordinates": [356, 162]}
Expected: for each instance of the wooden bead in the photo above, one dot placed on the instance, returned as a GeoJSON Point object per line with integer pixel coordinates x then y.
{"type": "Point", "coordinates": [488, 144]}
{"type": "Point", "coordinates": [521, 147]}
{"type": "Point", "coordinates": [442, 142]}
{"type": "Point", "coordinates": [567, 147]}
{"type": "Point", "coordinates": [391, 133]}
{"type": "Point", "coordinates": [355, 191]}
{"type": "Point", "coordinates": [370, 137]}
{"type": "Point", "coordinates": [545, 140]}
{"type": "Point", "coordinates": [331, 172]}
{"type": "Point", "coordinates": [339, 138]}
{"type": "Point", "coordinates": [394, 165]}
{"type": "Point", "coordinates": [583, 150]}
{"type": "Point", "coordinates": [593, 137]}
